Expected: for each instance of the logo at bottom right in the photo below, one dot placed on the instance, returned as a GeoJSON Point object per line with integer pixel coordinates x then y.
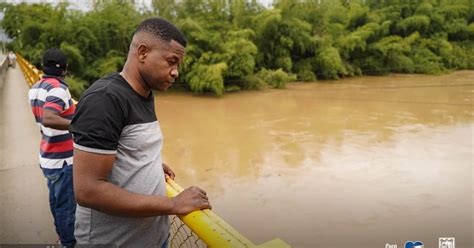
{"type": "Point", "coordinates": [446, 243]}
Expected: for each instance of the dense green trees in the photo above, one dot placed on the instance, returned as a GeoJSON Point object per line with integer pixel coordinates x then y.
{"type": "Point", "coordinates": [239, 44]}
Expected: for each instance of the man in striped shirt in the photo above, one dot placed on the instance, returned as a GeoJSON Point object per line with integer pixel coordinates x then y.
{"type": "Point", "coordinates": [53, 110]}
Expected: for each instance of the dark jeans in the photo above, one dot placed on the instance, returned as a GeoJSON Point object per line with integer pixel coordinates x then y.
{"type": "Point", "coordinates": [62, 202]}
{"type": "Point", "coordinates": [165, 245]}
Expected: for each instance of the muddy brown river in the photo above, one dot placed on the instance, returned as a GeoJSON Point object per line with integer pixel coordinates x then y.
{"type": "Point", "coordinates": [360, 163]}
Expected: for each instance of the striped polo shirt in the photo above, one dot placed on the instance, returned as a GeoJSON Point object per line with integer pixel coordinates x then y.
{"type": "Point", "coordinates": [56, 146]}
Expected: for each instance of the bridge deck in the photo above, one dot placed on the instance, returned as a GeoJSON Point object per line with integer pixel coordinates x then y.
{"type": "Point", "coordinates": [24, 215]}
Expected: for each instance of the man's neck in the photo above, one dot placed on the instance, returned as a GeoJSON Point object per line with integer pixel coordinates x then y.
{"type": "Point", "coordinates": [135, 81]}
{"type": "Point", "coordinates": [56, 76]}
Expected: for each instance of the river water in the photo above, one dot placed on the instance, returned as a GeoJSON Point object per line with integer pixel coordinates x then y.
{"type": "Point", "coordinates": [361, 162]}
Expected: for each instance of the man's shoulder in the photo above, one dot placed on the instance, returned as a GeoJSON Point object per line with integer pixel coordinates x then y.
{"type": "Point", "coordinates": [49, 82]}
{"type": "Point", "coordinates": [109, 84]}
{"type": "Point", "coordinates": [108, 87]}
{"type": "Point", "coordinates": [54, 81]}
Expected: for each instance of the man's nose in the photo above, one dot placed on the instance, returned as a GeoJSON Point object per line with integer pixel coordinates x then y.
{"type": "Point", "coordinates": [174, 73]}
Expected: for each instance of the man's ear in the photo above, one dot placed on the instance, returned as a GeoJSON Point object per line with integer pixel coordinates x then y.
{"type": "Point", "coordinates": [64, 72]}
{"type": "Point", "coordinates": [142, 52]}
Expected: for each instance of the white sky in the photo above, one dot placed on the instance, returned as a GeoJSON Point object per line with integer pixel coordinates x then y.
{"type": "Point", "coordinates": [86, 4]}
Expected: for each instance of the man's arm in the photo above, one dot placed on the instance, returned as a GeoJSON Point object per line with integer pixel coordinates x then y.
{"type": "Point", "coordinates": [52, 119]}
{"type": "Point", "coordinates": [93, 191]}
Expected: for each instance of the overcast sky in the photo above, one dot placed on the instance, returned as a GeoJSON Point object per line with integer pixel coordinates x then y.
{"type": "Point", "coordinates": [86, 4]}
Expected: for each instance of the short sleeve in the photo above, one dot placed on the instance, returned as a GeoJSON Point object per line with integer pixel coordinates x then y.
{"type": "Point", "coordinates": [98, 123]}
{"type": "Point", "coordinates": [57, 100]}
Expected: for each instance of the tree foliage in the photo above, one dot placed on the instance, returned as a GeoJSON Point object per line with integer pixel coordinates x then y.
{"type": "Point", "coordinates": [240, 44]}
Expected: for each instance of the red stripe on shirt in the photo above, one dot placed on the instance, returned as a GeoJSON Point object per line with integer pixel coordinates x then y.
{"type": "Point", "coordinates": [56, 147]}
{"type": "Point", "coordinates": [69, 111]}
{"type": "Point", "coordinates": [37, 111]}
{"type": "Point", "coordinates": [56, 106]}
{"type": "Point", "coordinates": [53, 82]}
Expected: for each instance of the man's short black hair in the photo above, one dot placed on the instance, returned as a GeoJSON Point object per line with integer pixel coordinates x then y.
{"type": "Point", "coordinates": [162, 29]}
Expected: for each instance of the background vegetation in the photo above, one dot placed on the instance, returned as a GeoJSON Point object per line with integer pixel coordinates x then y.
{"type": "Point", "coordinates": [240, 44]}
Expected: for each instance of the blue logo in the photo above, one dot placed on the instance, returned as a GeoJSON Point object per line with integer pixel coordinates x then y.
{"type": "Point", "coordinates": [416, 244]}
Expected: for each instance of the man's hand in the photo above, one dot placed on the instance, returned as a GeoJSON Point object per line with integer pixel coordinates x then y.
{"type": "Point", "coordinates": [191, 199]}
{"type": "Point", "coordinates": [168, 171]}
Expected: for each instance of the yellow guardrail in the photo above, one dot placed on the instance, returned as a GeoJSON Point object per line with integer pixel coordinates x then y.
{"type": "Point", "coordinates": [32, 75]}
{"type": "Point", "coordinates": [201, 228]}
{"type": "Point", "coordinates": [213, 230]}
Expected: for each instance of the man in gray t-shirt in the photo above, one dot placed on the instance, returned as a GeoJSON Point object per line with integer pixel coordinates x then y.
{"type": "Point", "coordinates": [119, 175]}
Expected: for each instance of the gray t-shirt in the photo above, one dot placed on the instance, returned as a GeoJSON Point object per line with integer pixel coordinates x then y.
{"type": "Point", "coordinates": [111, 118]}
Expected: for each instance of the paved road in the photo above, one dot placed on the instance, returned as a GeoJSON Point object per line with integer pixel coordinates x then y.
{"type": "Point", "coordinates": [24, 207]}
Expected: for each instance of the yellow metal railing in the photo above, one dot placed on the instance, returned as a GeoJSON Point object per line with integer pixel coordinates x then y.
{"type": "Point", "coordinates": [198, 229]}
{"type": "Point", "coordinates": [213, 230]}
{"type": "Point", "coordinates": [32, 75]}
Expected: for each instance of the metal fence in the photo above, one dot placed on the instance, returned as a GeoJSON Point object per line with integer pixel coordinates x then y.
{"type": "Point", "coordinates": [183, 237]}
{"type": "Point", "coordinates": [30, 72]}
